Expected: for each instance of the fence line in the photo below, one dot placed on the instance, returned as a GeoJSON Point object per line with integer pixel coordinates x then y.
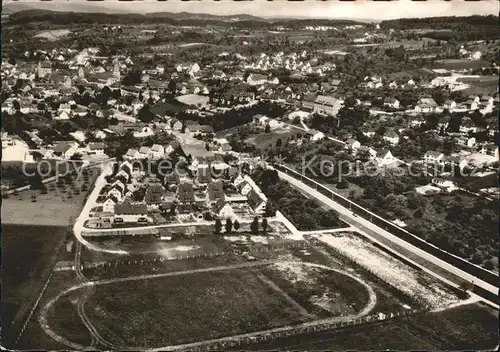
{"type": "Point", "coordinates": [473, 269]}
{"type": "Point", "coordinates": [187, 255]}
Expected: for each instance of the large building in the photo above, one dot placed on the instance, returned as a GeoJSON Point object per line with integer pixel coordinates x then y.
{"type": "Point", "coordinates": [327, 105]}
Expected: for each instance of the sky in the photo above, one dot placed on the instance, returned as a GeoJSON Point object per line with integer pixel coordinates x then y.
{"type": "Point", "coordinates": [360, 9]}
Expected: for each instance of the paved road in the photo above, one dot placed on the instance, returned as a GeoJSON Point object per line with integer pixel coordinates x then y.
{"type": "Point", "coordinates": [374, 232]}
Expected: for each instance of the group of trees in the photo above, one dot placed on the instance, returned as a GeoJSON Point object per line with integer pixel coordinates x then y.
{"type": "Point", "coordinates": [467, 228]}
{"type": "Point", "coordinates": [305, 213]}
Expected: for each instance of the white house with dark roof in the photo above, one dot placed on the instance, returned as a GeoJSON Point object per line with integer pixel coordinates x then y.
{"type": "Point", "coordinates": [315, 135]}
{"type": "Point", "coordinates": [433, 157]}
{"type": "Point", "coordinates": [157, 152]}
{"type": "Point", "coordinates": [384, 157]}
{"type": "Point", "coordinates": [96, 148]}
{"type": "Point", "coordinates": [391, 103]}
{"type": "Point", "coordinates": [391, 137]}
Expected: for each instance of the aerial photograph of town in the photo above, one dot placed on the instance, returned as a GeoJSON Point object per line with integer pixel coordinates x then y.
{"type": "Point", "coordinates": [249, 176]}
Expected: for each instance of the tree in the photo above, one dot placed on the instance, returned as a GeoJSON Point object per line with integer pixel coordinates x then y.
{"type": "Point", "coordinates": [279, 143]}
{"type": "Point", "coordinates": [269, 210]}
{"type": "Point", "coordinates": [254, 226]}
{"type": "Point", "coordinates": [236, 225]}
{"type": "Point", "coordinates": [229, 226]}
{"type": "Point", "coordinates": [264, 225]}
{"type": "Point", "coordinates": [267, 128]}
{"type": "Point", "coordinates": [218, 226]}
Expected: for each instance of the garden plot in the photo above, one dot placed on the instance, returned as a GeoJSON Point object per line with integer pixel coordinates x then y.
{"type": "Point", "coordinates": [395, 273]}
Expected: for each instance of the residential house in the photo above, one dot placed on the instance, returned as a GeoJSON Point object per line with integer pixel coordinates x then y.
{"type": "Point", "coordinates": [384, 157]}
{"type": "Point", "coordinates": [471, 105]}
{"type": "Point", "coordinates": [186, 192]}
{"type": "Point", "coordinates": [487, 100]}
{"type": "Point", "coordinates": [449, 105]}
{"type": "Point", "coordinates": [327, 105]}
{"type": "Point", "coordinates": [391, 103]}
{"type": "Point", "coordinates": [64, 150]}
{"type": "Point", "coordinates": [80, 111]}
{"type": "Point", "coordinates": [446, 185]}
{"type": "Point", "coordinates": [62, 116]}
{"type": "Point", "coordinates": [223, 210]}
{"type": "Point", "coordinates": [456, 161]}
{"type": "Point", "coordinates": [143, 132]}
{"type": "Point", "coordinates": [244, 187]}
{"type": "Point", "coordinates": [157, 152]}
{"type": "Point", "coordinates": [215, 192]}
{"type": "Point", "coordinates": [15, 149]}
{"type": "Point", "coordinates": [352, 144]}
{"type": "Point", "coordinates": [433, 157]}
{"type": "Point", "coordinates": [108, 206]}
{"type": "Point", "coordinates": [203, 175]}
{"type": "Point", "coordinates": [144, 153]}
{"type": "Point", "coordinates": [474, 98]}
{"type": "Point", "coordinates": [132, 154]}
{"type": "Point", "coordinates": [131, 212]}
{"type": "Point", "coordinates": [315, 135]}
{"type": "Point", "coordinates": [256, 79]}
{"type": "Point", "coordinates": [154, 194]}
{"type": "Point", "coordinates": [490, 149]}
{"type": "Point", "coordinates": [96, 148]}
{"type": "Point", "coordinates": [391, 137]}
{"type": "Point", "coordinates": [176, 125]}
{"type": "Point", "coordinates": [257, 204]}
{"type": "Point", "coordinates": [308, 102]}
{"type": "Point", "coordinates": [426, 105]}
{"type": "Point", "coordinates": [239, 179]}
{"type": "Point", "coordinates": [466, 141]}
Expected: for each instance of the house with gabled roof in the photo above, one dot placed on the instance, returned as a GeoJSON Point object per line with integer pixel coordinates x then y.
{"type": "Point", "coordinates": [244, 187]}
{"type": "Point", "coordinates": [255, 201]}
{"type": "Point", "coordinates": [384, 157]}
{"type": "Point", "coordinates": [186, 192]}
{"type": "Point", "coordinates": [108, 206]}
{"type": "Point", "coordinates": [391, 137]}
{"type": "Point", "coordinates": [203, 175]}
{"type": "Point", "coordinates": [433, 157]}
{"type": "Point", "coordinates": [215, 192]}
{"type": "Point", "coordinates": [223, 210]}
{"type": "Point", "coordinates": [132, 154]}
{"type": "Point", "coordinates": [131, 212]}
{"type": "Point", "coordinates": [154, 194]}
{"type": "Point", "coordinates": [64, 150]}
{"type": "Point", "coordinates": [157, 152]}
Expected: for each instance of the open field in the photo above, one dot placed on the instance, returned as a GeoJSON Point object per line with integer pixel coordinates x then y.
{"type": "Point", "coordinates": [193, 99]}
{"type": "Point", "coordinates": [29, 254]}
{"type": "Point", "coordinates": [422, 288]}
{"type": "Point", "coordinates": [470, 327]}
{"type": "Point", "coordinates": [204, 305]}
{"type": "Point", "coordinates": [460, 64]}
{"type": "Point", "coordinates": [53, 35]}
{"type": "Point", "coordinates": [61, 202]}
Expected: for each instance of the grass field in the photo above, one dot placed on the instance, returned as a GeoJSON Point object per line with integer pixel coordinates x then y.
{"type": "Point", "coordinates": [53, 208]}
{"type": "Point", "coordinates": [193, 99]}
{"type": "Point", "coordinates": [29, 254]}
{"type": "Point", "coordinates": [188, 308]}
{"type": "Point", "coordinates": [460, 64]}
{"type": "Point", "coordinates": [470, 327]}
